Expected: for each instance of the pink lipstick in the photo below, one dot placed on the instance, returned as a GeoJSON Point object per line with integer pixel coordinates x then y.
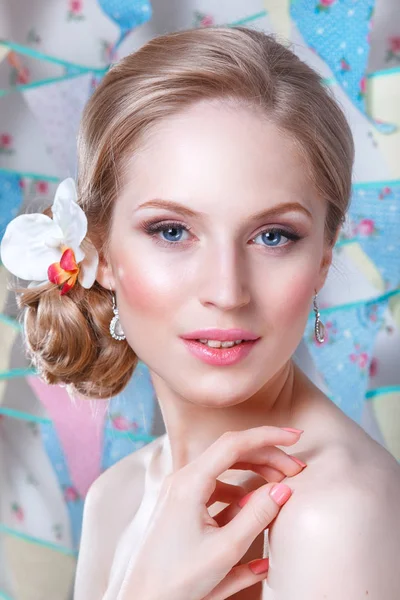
{"type": "Point", "coordinates": [242, 343]}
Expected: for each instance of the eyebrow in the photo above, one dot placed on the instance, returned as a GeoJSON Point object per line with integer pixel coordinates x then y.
{"type": "Point", "coordinates": [184, 210]}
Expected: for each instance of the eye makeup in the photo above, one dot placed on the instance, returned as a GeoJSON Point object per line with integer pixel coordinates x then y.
{"type": "Point", "coordinates": [154, 227]}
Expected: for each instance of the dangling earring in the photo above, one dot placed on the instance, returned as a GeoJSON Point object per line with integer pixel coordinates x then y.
{"type": "Point", "coordinates": [319, 326]}
{"type": "Point", "coordinates": [115, 326]}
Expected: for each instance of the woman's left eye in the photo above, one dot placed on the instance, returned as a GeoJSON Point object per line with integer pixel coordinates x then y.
{"type": "Point", "coordinates": [272, 237]}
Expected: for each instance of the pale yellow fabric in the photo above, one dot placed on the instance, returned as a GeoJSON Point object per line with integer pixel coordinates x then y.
{"type": "Point", "coordinates": [386, 408]}
{"type": "Point", "coordinates": [7, 333]}
{"type": "Point", "coordinates": [3, 282]}
{"type": "Point", "coordinates": [3, 52]}
{"type": "Point", "coordinates": [39, 573]}
{"type": "Point", "coordinates": [365, 265]}
{"type": "Point", "coordinates": [279, 15]}
{"type": "Point", "coordinates": [383, 103]}
{"type": "Point", "coordinates": [394, 307]}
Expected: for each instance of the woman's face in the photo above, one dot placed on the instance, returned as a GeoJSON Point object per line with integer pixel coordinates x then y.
{"type": "Point", "coordinates": [214, 262]}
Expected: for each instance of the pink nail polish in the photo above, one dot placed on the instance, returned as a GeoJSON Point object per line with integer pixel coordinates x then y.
{"type": "Point", "coordinates": [298, 461]}
{"type": "Point", "coordinates": [280, 493]}
{"type": "Point", "coordinates": [259, 566]}
{"type": "Point", "coordinates": [292, 430]}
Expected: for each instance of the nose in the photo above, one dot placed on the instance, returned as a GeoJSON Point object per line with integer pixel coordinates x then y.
{"type": "Point", "coordinates": [225, 280]}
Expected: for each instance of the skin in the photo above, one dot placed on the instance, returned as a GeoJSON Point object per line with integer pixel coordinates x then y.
{"type": "Point", "coordinates": [228, 164]}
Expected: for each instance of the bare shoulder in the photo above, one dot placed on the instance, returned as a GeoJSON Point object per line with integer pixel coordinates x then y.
{"type": "Point", "coordinates": [340, 455]}
{"type": "Point", "coordinates": [110, 505]}
{"type": "Point", "coordinates": [344, 506]}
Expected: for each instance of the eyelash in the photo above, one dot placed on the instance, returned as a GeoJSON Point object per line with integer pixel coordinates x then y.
{"type": "Point", "coordinates": [152, 228]}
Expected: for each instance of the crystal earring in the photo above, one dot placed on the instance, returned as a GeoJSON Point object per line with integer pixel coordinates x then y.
{"type": "Point", "coordinates": [115, 326]}
{"type": "Point", "coordinates": [319, 326]}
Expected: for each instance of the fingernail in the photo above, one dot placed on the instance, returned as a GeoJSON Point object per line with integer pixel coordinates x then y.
{"type": "Point", "coordinates": [298, 461]}
{"type": "Point", "coordinates": [292, 430]}
{"type": "Point", "coordinates": [259, 566]}
{"type": "Point", "coordinates": [280, 493]}
{"type": "Point", "coordinates": [245, 499]}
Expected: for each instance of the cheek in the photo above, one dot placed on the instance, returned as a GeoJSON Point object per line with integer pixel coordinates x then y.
{"type": "Point", "coordinates": [298, 294]}
{"type": "Point", "coordinates": [145, 285]}
{"type": "Point", "coordinates": [288, 293]}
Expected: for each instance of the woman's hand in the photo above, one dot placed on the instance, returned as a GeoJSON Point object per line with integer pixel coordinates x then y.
{"type": "Point", "coordinates": [187, 554]}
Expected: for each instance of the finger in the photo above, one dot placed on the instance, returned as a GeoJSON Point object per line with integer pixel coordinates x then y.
{"type": "Point", "coordinates": [238, 578]}
{"type": "Point", "coordinates": [267, 472]}
{"type": "Point", "coordinates": [226, 492]}
{"type": "Point", "coordinates": [273, 457]}
{"type": "Point", "coordinates": [229, 512]}
{"type": "Point", "coordinates": [226, 515]}
{"type": "Point", "coordinates": [255, 516]}
{"type": "Point", "coordinates": [229, 449]}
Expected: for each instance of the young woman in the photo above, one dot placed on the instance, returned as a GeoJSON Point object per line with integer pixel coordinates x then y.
{"type": "Point", "coordinates": [215, 174]}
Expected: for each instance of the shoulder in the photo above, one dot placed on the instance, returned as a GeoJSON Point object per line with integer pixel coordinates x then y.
{"type": "Point", "coordinates": [339, 534]}
{"type": "Point", "coordinates": [110, 504]}
{"type": "Point", "coordinates": [104, 496]}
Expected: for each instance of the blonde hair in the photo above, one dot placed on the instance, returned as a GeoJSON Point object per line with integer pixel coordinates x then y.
{"type": "Point", "coordinates": [68, 337]}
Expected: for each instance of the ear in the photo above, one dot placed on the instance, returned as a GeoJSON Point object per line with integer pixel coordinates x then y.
{"type": "Point", "coordinates": [326, 262]}
{"type": "Point", "coordinates": [105, 275]}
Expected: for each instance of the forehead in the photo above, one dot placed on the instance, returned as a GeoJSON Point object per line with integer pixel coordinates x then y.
{"type": "Point", "coordinates": [214, 152]}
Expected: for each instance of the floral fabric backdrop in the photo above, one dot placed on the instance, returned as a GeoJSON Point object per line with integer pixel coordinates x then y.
{"type": "Point", "coordinates": [52, 55]}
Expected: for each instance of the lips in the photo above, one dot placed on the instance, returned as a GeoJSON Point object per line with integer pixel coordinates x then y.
{"type": "Point", "coordinates": [221, 335]}
{"type": "Point", "coordinates": [220, 356]}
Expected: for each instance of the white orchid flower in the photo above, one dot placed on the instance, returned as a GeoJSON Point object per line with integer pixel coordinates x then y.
{"type": "Point", "coordinates": [38, 248]}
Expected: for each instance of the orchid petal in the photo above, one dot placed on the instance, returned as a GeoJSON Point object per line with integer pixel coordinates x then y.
{"type": "Point", "coordinates": [68, 284]}
{"type": "Point", "coordinates": [68, 215]}
{"type": "Point", "coordinates": [24, 251]}
{"type": "Point", "coordinates": [54, 242]}
{"type": "Point", "coordinates": [88, 267]}
{"type": "Point", "coordinates": [57, 274]}
{"type": "Point", "coordinates": [79, 255]}
{"type": "Point", "coordinates": [68, 262]}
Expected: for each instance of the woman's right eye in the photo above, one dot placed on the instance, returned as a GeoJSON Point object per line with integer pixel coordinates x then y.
{"type": "Point", "coordinates": [171, 232]}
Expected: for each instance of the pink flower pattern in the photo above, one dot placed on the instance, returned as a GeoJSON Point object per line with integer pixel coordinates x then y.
{"type": "Point", "coordinates": [18, 511]}
{"type": "Point", "coordinates": [121, 423]}
{"type": "Point", "coordinates": [393, 49]}
{"type": "Point", "coordinates": [202, 19]}
{"type": "Point", "coordinates": [363, 88]}
{"type": "Point", "coordinates": [344, 65]}
{"type": "Point", "coordinates": [108, 52]}
{"type": "Point", "coordinates": [374, 367]}
{"type": "Point", "coordinates": [6, 144]}
{"type": "Point", "coordinates": [367, 228]}
{"type": "Point", "coordinates": [75, 10]}
{"type": "Point", "coordinates": [5, 140]}
{"type": "Point", "coordinates": [23, 76]}
{"type": "Point", "coordinates": [71, 494]}
{"type": "Point", "coordinates": [385, 192]}
{"type": "Point", "coordinates": [359, 358]}
{"type": "Point", "coordinates": [42, 187]}
{"type": "Point", "coordinates": [324, 5]}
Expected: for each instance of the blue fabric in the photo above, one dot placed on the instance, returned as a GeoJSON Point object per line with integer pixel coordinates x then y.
{"type": "Point", "coordinates": [374, 221]}
{"type": "Point", "coordinates": [10, 199]}
{"type": "Point", "coordinates": [127, 14]}
{"type": "Point", "coordinates": [130, 416]}
{"type": "Point", "coordinates": [72, 498]}
{"type": "Point", "coordinates": [338, 30]}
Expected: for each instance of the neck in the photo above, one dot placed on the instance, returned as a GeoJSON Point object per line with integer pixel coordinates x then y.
{"type": "Point", "coordinates": [191, 427]}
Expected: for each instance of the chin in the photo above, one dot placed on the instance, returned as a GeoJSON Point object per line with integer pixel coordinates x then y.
{"type": "Point", "coordinates": [221, 392]}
